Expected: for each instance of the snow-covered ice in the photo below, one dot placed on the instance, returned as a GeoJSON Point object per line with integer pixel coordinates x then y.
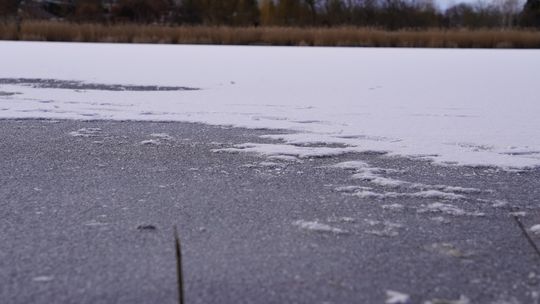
{"type": "Point", "coordinates": [462, 300]}
{"type": "Point", "coordinates": [352, 189]}
{"type": "Point", "coordinates": [447, 249]}
{"type": "Point", "coordinates": [535, 229]}
{"type": "Point", "coordinates": [430, 194]}
{"type": "Point", "coordinates": [318, 227]}
{"type": "Point", "coordinates": [393, 207]}
{"type": "Point", "coordinates": [162, 136]}
{"type": "Point", "coordinates": [468, 107]}
{"type": "Point", "coordinates": [518, 213]}
{"type": "Point", "coordinates": [447, 209]}
{"type": "Point", "coordinates": [150, 142]}
{"type": "Point", "coordinates": [43, 279]}
{"type": "Point", "coordinates": [94, 223]}
{"type": "Point", "coordinates": [363, 171]}
{"type": "Point", "coordinates": [342, 219]}
{"type": "Point", "coordinates": [437, 195]}
{"type": "Point", "coordinates": [85, 132]}
{"type": "Point", "coordinates": [395, 297]}
{"type": "Point", "coordinates": [499, 204]}
{"type": "Point", "coordinates": [383, 228]}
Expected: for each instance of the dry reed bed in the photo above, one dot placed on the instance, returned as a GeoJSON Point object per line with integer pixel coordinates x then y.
{"type": "Point", "coordinates": [343, 36]}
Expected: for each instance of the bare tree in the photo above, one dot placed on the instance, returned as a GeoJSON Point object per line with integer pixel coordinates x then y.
{"type": "Point", "coordinates": [509, 10]}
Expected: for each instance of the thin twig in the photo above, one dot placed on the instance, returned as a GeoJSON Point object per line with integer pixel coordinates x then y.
{"type": "Point", "coordinates": [527, 235]}
{"type": "Point", "coordinates": [179, 273]}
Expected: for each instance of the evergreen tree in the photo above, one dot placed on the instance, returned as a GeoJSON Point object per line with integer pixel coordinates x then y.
{"type": "Point", "coordinates": [531, 13]}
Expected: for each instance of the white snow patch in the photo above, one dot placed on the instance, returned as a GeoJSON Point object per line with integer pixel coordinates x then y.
{"type": "Point", "coordinates": [518, 213]}
{"type": "Point", "coordinates": [440, 220]}
{"type": "Point", "coordinates": [151, 142]}
{"type": "Point", "coordinates": [365, 175]}
{"type": "Point", "coordinates": [349, 189]}
{"type": "Point", "coordinates": [286, 158]}
{"type": "Point", "coordinates": [429, 194]}
{"type": "Point", "coordinates": [393, 207]}
{"type": "Point", "coordinates": [447, 249]}
{"type": "Point", "coordinates": [43, 279]}
{"type": "Point", "coordinates": [387, 182]}
{"type": "Point", "coordinates": [94, 223]}
{"type": "Point", "coordinates": [162, 136]}
{"type": "Point", "coordinates": [273, 150]}
{"type": "Point", "coordinates": [512, 300]}
{"type": "Point", "coordinates": [370, 194]}
{"type": "Point", "coordinates": [437, 194]}
{"type": "Point", "coordinates": [318, 227]}
{"type": "Point", "coordinates": [85, 132]}
{"type": "Point", "coordinates": [341, 219]}
{"type": "Point", "coordinates": [353, 165]}
{"type": "Point", "coordinates": [499, 204]}
{"type": "Point", "coordinates": [365, 172]}
{"type": "Point", "coordinates": [455, 189]}
{"type": "Point", "coordinates": [535, 229]}
{"type": "Point", "coordinates": [535, 295]}
{"type": "Point", "coordinates": [383, 228]}
{"type": "Point", "coordinates": [447, 209]}
{"type": "Point", "coordinates": [462, 300]}
{"type": "Point", "coordinates": [395, 297]}
{"type": "Point", "coordinates": [269, 164]}
{"type": "Point", "coordinates": [451, 106]}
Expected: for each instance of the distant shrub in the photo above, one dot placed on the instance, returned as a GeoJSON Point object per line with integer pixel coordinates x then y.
{"type": "Point", "coordinates": [316, 36]}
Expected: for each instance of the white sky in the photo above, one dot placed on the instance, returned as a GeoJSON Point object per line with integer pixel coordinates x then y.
{"type": "Point", "coordinates": [443, 4]}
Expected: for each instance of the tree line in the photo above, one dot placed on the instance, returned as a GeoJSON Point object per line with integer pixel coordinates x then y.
{"type": "Point", "coordinates": [387, 14]}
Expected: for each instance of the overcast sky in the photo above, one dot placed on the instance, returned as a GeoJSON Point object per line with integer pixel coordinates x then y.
{"type": "Point", "coordinates": [443, 4]}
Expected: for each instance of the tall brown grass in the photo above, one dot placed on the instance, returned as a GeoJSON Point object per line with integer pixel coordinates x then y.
{"type": "Point", "coordinates": [342, 36]}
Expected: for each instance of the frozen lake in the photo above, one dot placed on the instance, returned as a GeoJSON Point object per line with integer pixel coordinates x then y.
{"type": "Point", "coordinates": [467, 107]}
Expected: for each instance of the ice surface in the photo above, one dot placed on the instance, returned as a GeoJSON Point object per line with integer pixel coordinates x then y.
{"type": "Point", "coordinates": [447, 249]}
{"type": "Point", "coordinates": [467, 107]}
